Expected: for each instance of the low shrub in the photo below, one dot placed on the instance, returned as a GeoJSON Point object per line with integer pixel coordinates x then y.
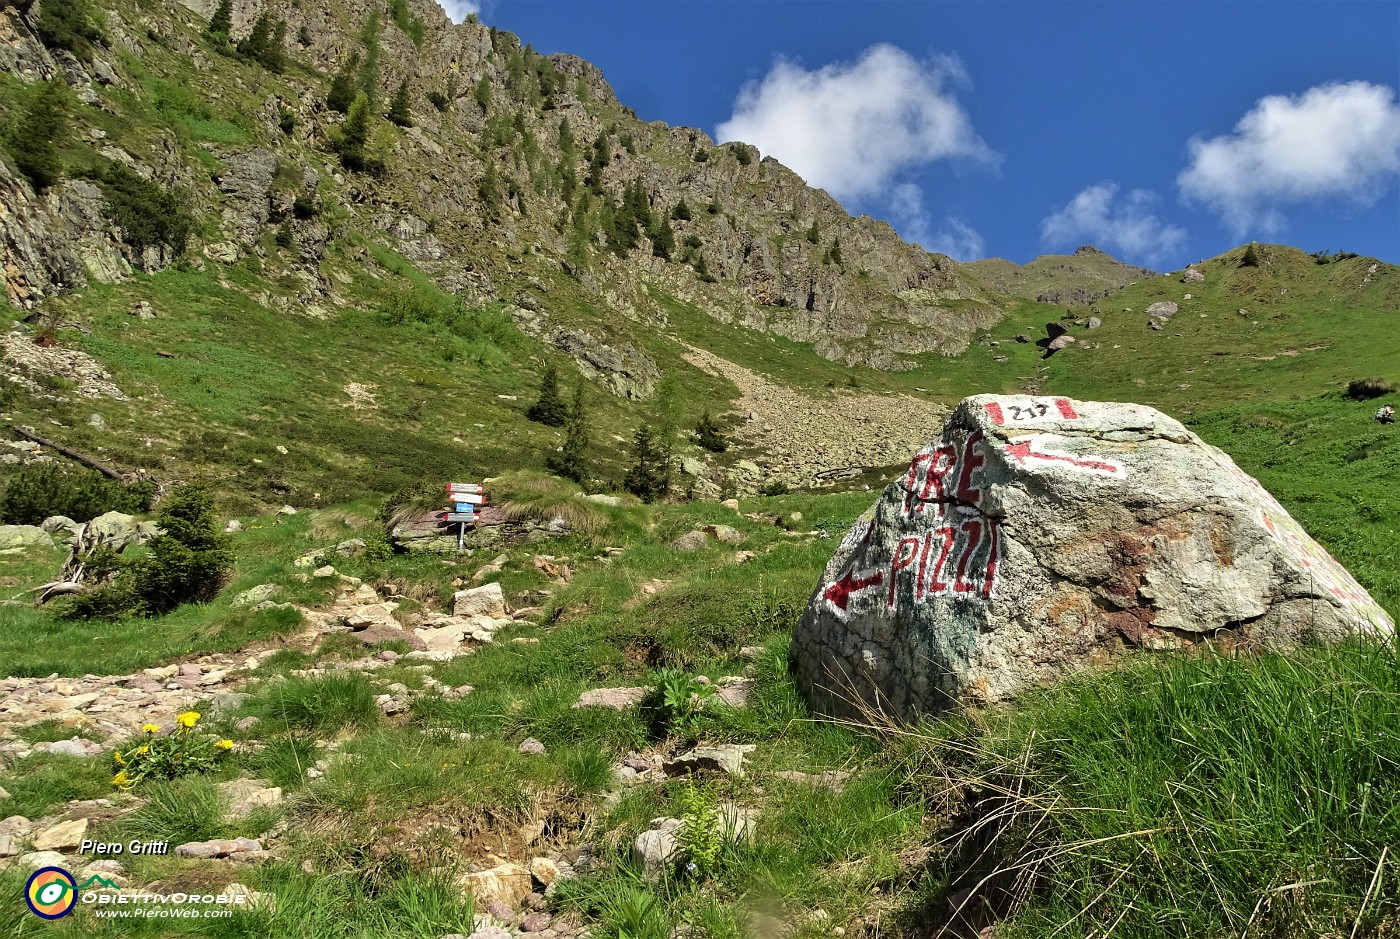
{"type": "Point", "coordinates": [1364, 389]}
{"type": "Point", "coordinates": [41, 490]}
{"type": "Point", "coordinates": [700, 835]}
{"type": "Point", "coordinates": [146, 212]}
{"type": "Point", "coordinates": [709, 435]}
{"type": "Point", "coordinates": [676, 703]}
{"type": "Point", "coordinates": [188, 562]}
{"type": "Point", "coordinates": [69, 25]}
{"type": "Point", "coordinates": [35, 135]}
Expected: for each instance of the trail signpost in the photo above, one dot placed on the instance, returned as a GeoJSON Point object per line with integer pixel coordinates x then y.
{"type": "Point", "coordinates": [465, 499]}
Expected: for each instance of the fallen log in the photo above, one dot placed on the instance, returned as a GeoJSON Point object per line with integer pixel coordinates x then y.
{"type": "Point", "coordinates": [72, 454]}
{"type": "Point", "coordinates": [56, 589]}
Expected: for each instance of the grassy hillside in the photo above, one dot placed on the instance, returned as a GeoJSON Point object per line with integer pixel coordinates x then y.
{"type": "Point", "coordinates": [1078, 279]}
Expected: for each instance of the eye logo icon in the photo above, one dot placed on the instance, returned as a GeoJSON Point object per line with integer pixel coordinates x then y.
{"type": "Point", "coordinates": [51, 892]}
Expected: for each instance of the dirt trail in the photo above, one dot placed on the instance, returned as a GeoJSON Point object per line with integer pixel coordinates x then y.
{"type": "Point", "coordinates": [803, 435]}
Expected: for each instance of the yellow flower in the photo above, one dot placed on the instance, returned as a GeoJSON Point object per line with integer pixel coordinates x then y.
{"type": "Point", "coordinates": [224, 744]}
{"type": "Point", "coordinates": [142, 750]}
{"type": "Point", "coordinates": [121, 780]}
{"type": "Point", "coordinates": [151, 728]}
{"type": "Point", "coordinates": [117, 758]}
{"type": "Point", "coordinates": [188, 719]}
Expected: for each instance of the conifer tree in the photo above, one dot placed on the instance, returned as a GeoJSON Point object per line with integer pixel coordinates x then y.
{"type": "Point", "coordinates": [681, 212]}
{"type": "Point", "coordinates": [221, 23]}
{"type": "Point", "coordinates": [274, 59]}
{"type": "Point", "coordinates": [566, 139]}
{"type": "Point", "coordinates": [342, 93]}
{"type": "Point", "coordinates": [650, 476]}
{"type": "Point", "coordinates": [35, 138]}
{"type": "Point", "coordinates": [572, 461]}
{"type": "Point", "coordinates": [354, 135]}
{"type": "Point", "coordinates": [398, 107]}
{"type": "Point", "coordinates": [709, 435]}
{"type": "Point", "coordinates": [663, 239]}
{"type": "Point", "coordinates": [369, 71]}
{"type": "Point", "coordinates": [814, 234]}
{"type": "Point", "coordinates": [550, 408]}
{"type": "Point", "coordinates": [255, 45]}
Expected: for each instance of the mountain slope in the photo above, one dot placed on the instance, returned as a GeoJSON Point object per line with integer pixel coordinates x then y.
{"type": "Point", "coordinates": [1077, 279]}
{"type": "Point", "coordinates": [516, 187]}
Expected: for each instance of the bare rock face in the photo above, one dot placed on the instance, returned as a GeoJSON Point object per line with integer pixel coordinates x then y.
{"type": "Point", "coordinates": [1041, 535]}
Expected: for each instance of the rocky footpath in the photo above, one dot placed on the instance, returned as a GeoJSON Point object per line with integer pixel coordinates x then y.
{"type": "Point", "coordinates": [1040, 535]}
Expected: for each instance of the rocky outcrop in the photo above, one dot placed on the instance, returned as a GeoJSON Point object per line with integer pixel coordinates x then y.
{"type": "Point", "coordinates": [1041, 535]}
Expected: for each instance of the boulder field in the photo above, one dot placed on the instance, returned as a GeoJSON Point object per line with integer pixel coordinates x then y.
{"type": "Point", "coordinates": [1039, 535]}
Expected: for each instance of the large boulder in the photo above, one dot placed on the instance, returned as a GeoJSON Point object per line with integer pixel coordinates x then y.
{"type": "Point", "coordinates": [1040, 535]}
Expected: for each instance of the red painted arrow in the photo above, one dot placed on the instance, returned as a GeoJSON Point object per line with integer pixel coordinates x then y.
{"type": "Point", "coordinates": [1020, 452]}
{"type": "Point", "coordinates": [839, 593]}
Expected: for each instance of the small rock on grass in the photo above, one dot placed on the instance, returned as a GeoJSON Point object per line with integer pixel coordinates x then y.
{"type": "Point", "coordinates": [531, 746]}
{"type": "Point", "coordinates": [219, 848]}
{"type": "Point", "coordinates": [65, 836]}
{"type": "Point", "coordinates": [728, 758]}
{"type": "Point", "coordinates": [37, 859]}
{"type": "Point", "coordinates": [619, 699]}
{"type": "Point", "coordinates": [75, 746]}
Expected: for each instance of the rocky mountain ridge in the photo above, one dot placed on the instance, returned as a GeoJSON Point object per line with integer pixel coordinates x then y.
{"type": "Point", "coordinates": [508, 185]}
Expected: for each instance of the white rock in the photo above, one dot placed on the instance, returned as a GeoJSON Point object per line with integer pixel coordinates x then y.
{"type": "Point", "coordinates": [507, 883]}
{"type": "Point", "coordinates": [487, 600]}
{"type": "Point", "coordinates": [65, 836]}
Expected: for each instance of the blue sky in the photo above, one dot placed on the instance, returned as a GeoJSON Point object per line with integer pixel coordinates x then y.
{"type": "Point", "coordinates": [1162, 132]}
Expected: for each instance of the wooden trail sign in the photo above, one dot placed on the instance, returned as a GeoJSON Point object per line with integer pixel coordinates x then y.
{"type": "Point", "coordinates": [465, 498]}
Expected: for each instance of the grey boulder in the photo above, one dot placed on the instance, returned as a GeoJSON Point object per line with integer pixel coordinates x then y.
{"type": "Point", "coordinates": [1040, 535]}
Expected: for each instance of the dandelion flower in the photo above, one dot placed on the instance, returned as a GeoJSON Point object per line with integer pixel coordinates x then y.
{"type": "Point", "coordinates": [121, 780]}
{"type": "Point", "coordinates": [188, 719]}
{"type": "Point", "coordinates": [117, 758]}
{"type": "Point", "coordinates": [224, 744]}
{"type": "Point", "coordinates": [151, 728]}
{"type": "Point", "coordinates": [142, 750]}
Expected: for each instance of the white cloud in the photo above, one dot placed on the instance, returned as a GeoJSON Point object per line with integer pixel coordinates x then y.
{"type": "Point", "coordinates": [853, 128]}
{"type": "Point", "coordinates": [1332, 141]}
{"type": "Point", "coordinates": [1125, 226]}
{"type": "Point", "coordinates": [952, 236]}
{"type": "Point", "coordinates": [459, 10]}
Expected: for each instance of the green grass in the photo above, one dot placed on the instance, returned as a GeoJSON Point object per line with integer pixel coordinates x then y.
{"type": "Point", "coordinates": [1306, 329]}
{"type": "Point", "coordinates": [1195, 796]}
{"type": "Point", "coordinates": [39, 783]}
{"type": "Point", "coordinates": [321, 704]}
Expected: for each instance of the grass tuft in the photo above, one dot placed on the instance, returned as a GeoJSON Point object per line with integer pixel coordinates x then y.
{"type": "Point", "coordinates": [321, 704]}
{"type": "Point", "coordinates": [1205, 795]}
